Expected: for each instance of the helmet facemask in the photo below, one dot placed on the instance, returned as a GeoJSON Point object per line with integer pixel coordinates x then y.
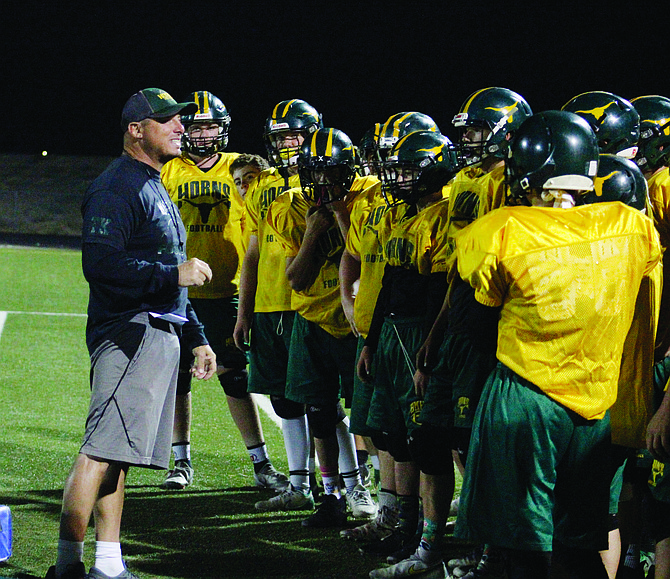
{"type": "Point", "coordinates": [326, 183]}
{"type": "Point", "coordinates": [196, 143]}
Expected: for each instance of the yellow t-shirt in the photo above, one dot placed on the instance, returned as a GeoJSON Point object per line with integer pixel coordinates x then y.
{"type": "Point", "coordinates": [321, 302]}
{"type": "Point", "coordinates": [567, 280]}
{"type": "Point", "coordinates": [363, 241]}
{"type": "Point", "coordinates": [273, 293]}
{"type": "Point", "coordinates": [212, 212]}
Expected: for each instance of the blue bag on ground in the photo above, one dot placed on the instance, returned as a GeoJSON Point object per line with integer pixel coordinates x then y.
{"type": "Point", "coordinates": [5, 533]}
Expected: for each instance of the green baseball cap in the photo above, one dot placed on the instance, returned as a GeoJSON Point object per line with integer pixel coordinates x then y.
{"type": "Point", "coordinates": [153, 103]}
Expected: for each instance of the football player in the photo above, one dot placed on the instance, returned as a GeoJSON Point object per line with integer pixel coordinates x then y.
{"type": "Point", "coordinates": [412, 234]}
{"type": "Point", "coordinates": [311, 222]}
{"type": "Point", "coordinates": [265, 296]}
{"type": "Point", "coordinates": [556, 372]}
{"type": "Point", "coordinates": [201, 185]}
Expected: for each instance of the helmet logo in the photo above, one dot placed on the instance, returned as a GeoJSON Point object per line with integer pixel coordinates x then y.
{"type": "Point", "coordinates": [597, 112]}
{"type": "Point", "coordinates": [599, 182]}
{"type": "Point", "coordinates": [507, 115]}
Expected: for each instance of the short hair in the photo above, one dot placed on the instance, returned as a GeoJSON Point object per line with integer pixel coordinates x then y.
{"type": "Point", "coordinates": [245, 159]}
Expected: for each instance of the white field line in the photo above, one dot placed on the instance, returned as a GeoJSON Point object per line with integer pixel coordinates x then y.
{"type": "Point", "coordinates": [263, 402]}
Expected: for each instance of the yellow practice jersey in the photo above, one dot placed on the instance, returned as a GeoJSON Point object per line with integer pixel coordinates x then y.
{"type": "Point", "coordinates": [212, 212]}
{"type": "Point", "coordinates": [416, 240]}
{"type": "Point", "coordinates": [567, 281]}
{"type": "Point", "coordinates": [473, 194]}
{"type": "Point", "coordinates": [273, 294]}
{"type": "Point", "coordinates": [363, 242]}
{"type": "Point", "coordinates": [321, 302]}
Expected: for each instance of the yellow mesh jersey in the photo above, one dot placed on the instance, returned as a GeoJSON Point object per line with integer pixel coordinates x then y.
{"type": "Point", "coordinates": [273, 294]}
{"type": "Point", "coordinates": [212, 212]}
{"type": "Point", "coordinates": [363, 241]}
{"type": "Point", "coordinates": [567, 280]}
{"type": "Point", "coordinates": [473, 194]}
{"type": "Point", "coordinates": [417, 241]}
{"type": "Point", "coordinates": [321, 302]}
{"type": "Point", "coordinates": [634, 406]}
{"type": "Point", "coordinates": [659, 197]}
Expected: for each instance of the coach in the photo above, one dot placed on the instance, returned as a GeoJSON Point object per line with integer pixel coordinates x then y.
{"type": "Point", "coordinates": [134, 260]}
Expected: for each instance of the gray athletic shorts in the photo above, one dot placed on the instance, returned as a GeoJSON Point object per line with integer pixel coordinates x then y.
{"type": "Point", "coordinates": [133, 385]}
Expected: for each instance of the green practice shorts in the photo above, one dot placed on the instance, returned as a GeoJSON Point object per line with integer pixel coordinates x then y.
{"type": "Point", "coordinates": [395, 408]}
{"type": "Point", "coordinates": [536, 471]}
{"type": "Point", "coordinates": [360, 402]}
{"type": "Point", "coordinates": [270, 339]}
{"type": "Point", "coordinates": [457, 382]}
{"type": "Point", "coordinates": [320, 366]}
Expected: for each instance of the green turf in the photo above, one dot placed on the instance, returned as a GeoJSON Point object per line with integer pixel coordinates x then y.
{"type": "Point", "coordinates": [209, 530]}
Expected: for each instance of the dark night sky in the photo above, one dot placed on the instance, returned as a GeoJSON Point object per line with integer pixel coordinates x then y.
{"type": "Point", "coordinates": [68, 67]}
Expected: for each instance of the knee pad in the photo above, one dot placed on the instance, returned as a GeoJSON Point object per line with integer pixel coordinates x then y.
{"type": "Point", "coordinates": [430, 448]}
{"type": "Point", "coordinates": [183, 382]}
{"type": "Point", "coordinates": [234, 383]}
{"type": "Point", "coordinates": [322, 420]}
{"type": "Point", "coordinates": [398, 447]}
{"type": "Point", "coordinates": [379, 441]}
{"type": "Point", "coordinates": [287, 409]}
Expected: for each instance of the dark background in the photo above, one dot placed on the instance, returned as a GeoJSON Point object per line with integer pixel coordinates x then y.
{"type": "Point", "coordinates": [68, 67]}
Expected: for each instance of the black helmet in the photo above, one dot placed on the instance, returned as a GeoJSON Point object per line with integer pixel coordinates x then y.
{"type": "Point", "coordinates": [210, 110]}
{"type": "Point", "coordinates": [618, 179]}
{"type": "Point", "coordinates": [293, 115]}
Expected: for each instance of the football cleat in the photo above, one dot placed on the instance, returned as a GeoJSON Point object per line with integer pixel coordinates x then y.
{"type": "Point", "coordinates": [72, 571]}
{"type": "Point", "coordinates": [270, 478]}
{"type": "Point", "coordinates": [360, 503]}
{"type": "Point", "coordinates": [332, 512]}
{"type": "Point", "coordinates": [380, 528]}
{"type": "Point", "coordinates": [288, 500]}
{"type": "Point", "coordinates": [179, 477]}
{"type": "Point", "coordinates": [95, 573]}
{"type": "Point", "coordinates": [419, 563]}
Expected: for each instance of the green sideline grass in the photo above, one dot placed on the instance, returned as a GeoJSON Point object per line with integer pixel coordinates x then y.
{"type": "Point", "coordinates": [209, 530]}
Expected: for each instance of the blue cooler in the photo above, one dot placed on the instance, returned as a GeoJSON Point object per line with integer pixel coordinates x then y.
{"type": "Point", "coordinates": [5, 533]}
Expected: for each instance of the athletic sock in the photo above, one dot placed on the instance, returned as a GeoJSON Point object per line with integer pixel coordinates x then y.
{"type": "Point", "coordinates": [69, 553]}
{"type": "Point", "coordinates": [296, 442]}
{"type": "Point", "coordinates": [432, 535]}
{"type": "Point", "coordinates": [259, 456]}
{"type": "Point", "coordinates": [108, 558]}
{"type": "Point", "coordinates": [347, 457]}
{"type": "Point", "coordinates": [331, 481]}
{"type": "Point", "coordinates": [181, 451]}
{"type": "Point", "coordinates": [632, 559]}
{"type": "Point", "coordinates": [409, 515]}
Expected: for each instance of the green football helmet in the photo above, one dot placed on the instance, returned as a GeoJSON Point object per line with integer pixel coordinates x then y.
{"type": "Point", "coordinates": [613, 119]}
{"type": "Point", "coordinates": [395, 128]}
{"type": "Point", "coordinates": [419, 164]}
{"type": "Point", "coordinates": [654, 144]}
{"type": "Point", "coordinates": [551, 150]}
{"type": "Point", "coordinates": [210, 110]}
{"type": "Point", "coordinates": [618, 179]}
{"type": "Point", "coordinates": [327, 166]}
{"type": "Point", "coordinates": [290, 116]}
{"type": "Point", "coordinates": [499, 111]}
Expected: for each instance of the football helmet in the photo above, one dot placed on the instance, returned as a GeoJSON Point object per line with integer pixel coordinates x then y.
{"type": "Point", "coordinates": [613, 119]}
{"type": "Point", "coordinates": [326, 166]}
{"type": "Point", "coordinates": [291, 116]}
{"type": "Point", "coordinates": [554, 150]}
{"type": "Point", "coordinates": [419, 164]}
{"type": "Point", "coordinates": [396, 127]}
{"type": "Point", "coordinates": [485, 120]}
{"type": "Point", "coordinates": [210, 110]}
{"type": "Point", "coordinates": [654, 144]}
{"type": "Point", "coordinates": [618, 179]}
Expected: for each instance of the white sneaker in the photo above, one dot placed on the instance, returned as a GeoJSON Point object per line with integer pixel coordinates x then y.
{"type": "Point", "coordinates": [271, 478]}
{"type": "Point", "coordinates": [414, 566]}
{"type": "Point", "coordinates": [453, 507]}
{"type": "Point", "coordinates": [179, 477]}
{"type": "Point", "coordinates": [360, 502]}
{"type": "Point", "coordinates": [289, 500]}
{"type": "Point", "coordinates": [380, 528]}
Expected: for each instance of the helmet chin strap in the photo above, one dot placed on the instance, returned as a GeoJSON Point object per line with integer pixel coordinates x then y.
{"type": "Point", "coordinates": [561, 199]}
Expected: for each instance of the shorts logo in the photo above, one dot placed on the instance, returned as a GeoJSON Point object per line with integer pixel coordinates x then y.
{"type": "Point", "coordinates": [415, 410]}
{"type": "Point", "coordinates": [463, 406]}
{"type": "Point", "coordinates": [656, 473]}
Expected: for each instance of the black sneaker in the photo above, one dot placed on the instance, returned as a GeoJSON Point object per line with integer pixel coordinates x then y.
{"type": "Point", "coordinates": [332, 512]}
{"type": "Point", "coordinates": [72, 571]}
{"type": "Point", "coordinates": [386, 545]}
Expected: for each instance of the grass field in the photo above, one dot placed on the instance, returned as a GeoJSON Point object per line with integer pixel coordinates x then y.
{"type": "Point", "coordinates": [209, 530]}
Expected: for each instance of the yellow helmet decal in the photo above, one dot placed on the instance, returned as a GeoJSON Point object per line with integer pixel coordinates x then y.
{"type": "Point", "coordinates": [598, 183]}
{"type": "Point", "coordinates": [203, 107]}
{"type": "Point", "coordinates": [437, 151]}
{"type": "Point", "coordinates": [508, 112]}
{"type": "Point", "coordinates": [467, 104]}
{"type": "Point", "coordinates": [597, 112]}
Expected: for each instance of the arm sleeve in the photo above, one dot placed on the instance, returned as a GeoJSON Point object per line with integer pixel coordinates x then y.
{"type": "Point", "coordinates": [192, 332]}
